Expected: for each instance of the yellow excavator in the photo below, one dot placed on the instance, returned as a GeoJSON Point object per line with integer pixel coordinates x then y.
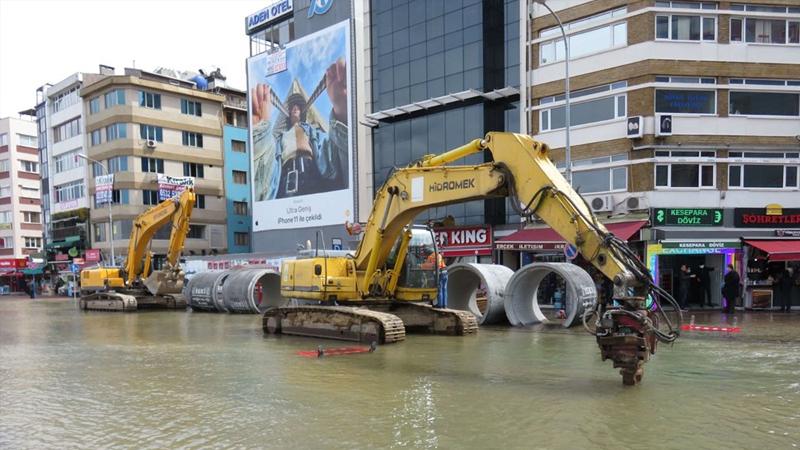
{"type": "Point", "coordinates": [386, 288]}
{"type": "Point", "coordinates": [133, 286]}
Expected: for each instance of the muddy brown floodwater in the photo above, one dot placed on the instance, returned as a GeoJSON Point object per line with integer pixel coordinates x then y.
{"type": "Point", "coordinates": [179, 379]}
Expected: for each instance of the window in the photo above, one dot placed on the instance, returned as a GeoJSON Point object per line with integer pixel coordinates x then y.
{"type": "Point", "coordinates": [6, 216]}
{"type": "Point", "coordinates": [68, 161]}
{"type": "Point", "coordinates": [191, 108]}
{"type": "Point", "coordinates": [192, 139]}
{"type": "Point", "coordinates": [122, 229]}
{"type": "Point", "coordinates": [200, 201]}
{"type": "Point", "coordinates": [153, 165]}
{"type": "Point", "coordinates": [31, 217]}
{"type": "Point", "coordinates": [29, 166]}
{"type": "Point", "coordinates": [3, 139]}
{"type": "Point", "coordinates": [241, 238]}
{"type": "Point", "coordinates": [29, 141]}
{"type": "Point", "coordinates": [33, 242]}
{"type": "Point", "coordinates": [686, 101]}
{"type": "Point", "coordinates": [583, 112]}
{"type": "Point", "coordinates": [96, 138]}
{"type": "Point", "coordinates": [65, 131]}
{"type": "Point", "coordinates": [688, 171]}
{"type": "Point", "coordinates": [585, 42]}
{"type": "Point", "coordinates": [149, 100]}
{"type": "Point", "coordinates": [64, 99]}
{"type": "Point", "coordinates": [30, 192]}
{"type": "Point", "coordinates": [192, 170]}
{"type": "Point", "coordinates": [762, 171]}
{"type": "Point", "coordinates": [5, 191]}
{"type": "Point", "coordinates": [69, 191]}
{"type": "Point", "coordinates": [116, 131]}
{"type": "Point", "coordinates": [765, 30]}
{"type": "Point", "coordinates": [600, 180]}
{"type": "Point", "coordinates": [196, 232]}
{"type": "Point", "coordinates": [151, 132]}
{"type": "Point", "coordinates": [764, 103]}
{"type": "Point", "coordinates": [240, 208]}
{"type": "Point", "coordinates": [113, 98]}
{"type": "Point", "coordinates": [114, 165]}
{"type": "Point", "coordinates": [94, 105]}
{"type": "Point", "coordinates": [682, 27]}
{"type": "Point", "coordinates": [150, 197]}
{"type": "Point", "coordinates": [99, 232]}
{"type": "Point", "coordinates": [239, 177]}
{"type": "Point", "coordinates": [5, 165]}
{"type": "Point", "coordinates": [238, 146]}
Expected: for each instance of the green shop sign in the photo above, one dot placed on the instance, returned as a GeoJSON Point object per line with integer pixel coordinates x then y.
{"type": "Point", "coordinates": [701, 245]}
{"type": "Point", "coordinates": [695, 217]}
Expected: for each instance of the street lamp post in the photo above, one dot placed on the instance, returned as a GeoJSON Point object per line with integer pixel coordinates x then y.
{"type": "Point", "coordinates": [567, 153]}
{"type": "Point", "coordinates": [110, 215]}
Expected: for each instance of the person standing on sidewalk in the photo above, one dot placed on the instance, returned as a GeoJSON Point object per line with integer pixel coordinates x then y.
{"type": "Point", "coordinates": [685, 277]}
{"type": "Point", "coordinates": [705, 285]}
{"type": "Point", "coordinates": [730, 290]}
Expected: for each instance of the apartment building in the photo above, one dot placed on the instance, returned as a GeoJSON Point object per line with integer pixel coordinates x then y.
{"type": "Point", "coordinates": [237, 169]}
{"type": "Point", "coordinates": [20, 195]}
{"type": "Point", "coordinates": [140, 125]}
{"type": "Point", "coordinates": [685, 119]}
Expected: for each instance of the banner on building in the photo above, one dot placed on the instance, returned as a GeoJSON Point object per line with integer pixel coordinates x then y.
{"type": "Point", "coordinates": [169, 187]}
{"type": "Point", "coordinates": [300, 116]}
{"type": "Point", "coordinates": [103, 189]}
{"type": "Point", "coordinates": [464, 241]}
{"type": "Point", "coordinates": [92, 255]}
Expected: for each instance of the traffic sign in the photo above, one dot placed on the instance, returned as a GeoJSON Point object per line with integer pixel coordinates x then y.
{"type": "Point", "coordinates": [336, 244]}
{"type": "Point", "coordinates": [73, 268]}
{"type": "Point", "coordinates": [570, 251]}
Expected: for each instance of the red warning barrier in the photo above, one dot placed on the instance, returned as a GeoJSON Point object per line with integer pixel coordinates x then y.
{"type": "Point", "coordinates": [337, 351]}
{"type": "Point", "coordinates": [710, 328]}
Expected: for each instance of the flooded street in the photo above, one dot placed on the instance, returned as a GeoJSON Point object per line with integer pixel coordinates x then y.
{"type": "Point", "coordinates": [175, 379]}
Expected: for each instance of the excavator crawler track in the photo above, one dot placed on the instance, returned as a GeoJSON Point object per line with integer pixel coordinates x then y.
{"type": "Point", "coordinates": [335, 322]}
{"type": "Point", "coordinates": [130, 301]}
{"type": "Point", "coordinates": [421, 318]}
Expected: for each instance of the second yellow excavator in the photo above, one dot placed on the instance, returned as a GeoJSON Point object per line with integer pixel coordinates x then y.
{"type": "Point", "coordinates": [133, 286]}
{"type": "Point", "coordinates": [386, 288]}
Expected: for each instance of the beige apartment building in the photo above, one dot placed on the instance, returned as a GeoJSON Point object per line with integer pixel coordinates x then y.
{"type": "Point", "coordinates": [20, 197]}
{"type": "Point", "coordinates": [142, 124]}
{"type": "Point", "coordinates": [685, 116]}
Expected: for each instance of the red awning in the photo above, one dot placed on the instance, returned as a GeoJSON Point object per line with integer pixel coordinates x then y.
{"type": "Point", "coordinates": [548, 239]}
{"type": "Point", "coordinates": [778, 250]}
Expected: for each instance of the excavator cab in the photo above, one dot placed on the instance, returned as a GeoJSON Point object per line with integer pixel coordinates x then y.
{"type": "Point", "coordinates": [420, 270]}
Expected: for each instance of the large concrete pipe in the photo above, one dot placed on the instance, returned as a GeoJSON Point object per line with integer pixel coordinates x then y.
{"type": "Point", "coordinates": [202, 291]}
{"type": "Point", "coordinates": [239, 291]}
{"type": "Point", "coordinates": [522, 304]}
{"type": "Point", "coordinates": [465, 280]}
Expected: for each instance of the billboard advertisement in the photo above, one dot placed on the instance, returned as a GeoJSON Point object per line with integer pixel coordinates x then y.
{"type": "Point", "coordinates": [169, 187]}
{"type": "Point", "coordinates": [103, 188]}
{"type": "Point", "coordinates": [300, 115]}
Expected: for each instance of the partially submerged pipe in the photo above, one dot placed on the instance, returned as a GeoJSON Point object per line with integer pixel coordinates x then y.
{"type": "Point", "coordinates": [240, 295]}
{"type": "Point", "coordinates": [203, 293]}
{"type": "Point", "coordinates": [522, 304]}
{"type": "Point", "coordinates": [464, 280]}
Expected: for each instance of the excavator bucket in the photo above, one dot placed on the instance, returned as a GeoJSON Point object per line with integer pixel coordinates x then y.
{"type": "Point", "coordinates": [162, 282]}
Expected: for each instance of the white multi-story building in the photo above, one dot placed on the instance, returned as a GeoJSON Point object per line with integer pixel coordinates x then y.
{"type": "Point", "coordinates": [20, 199]}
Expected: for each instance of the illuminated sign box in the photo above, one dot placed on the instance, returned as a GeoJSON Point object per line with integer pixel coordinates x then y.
{"type": "Point", "coordinates": [688, 217]}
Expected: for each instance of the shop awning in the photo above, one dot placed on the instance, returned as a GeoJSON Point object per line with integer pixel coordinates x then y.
{"type": "Point", "coordinates": [69, 241]}
{"type": "Point", "coordinates": [778, 250]}
{"type": "Point", "coordinates": [547, 239]}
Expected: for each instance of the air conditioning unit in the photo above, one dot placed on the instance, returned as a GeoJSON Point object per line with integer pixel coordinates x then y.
{"type": "Point", "coordinates": [635, 203]}
{"type": "Point", "coordinates": [600, 203]}
{"type": "Point", "coordinates": [150, 143]}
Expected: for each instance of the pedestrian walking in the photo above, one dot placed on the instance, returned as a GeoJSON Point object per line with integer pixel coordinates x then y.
{"type": "Point", "coordinates": [685, 277]}
{"type": "Point", "coordinates": [784, 290]}
{"type": "Point", "coordinates": [730, 289]}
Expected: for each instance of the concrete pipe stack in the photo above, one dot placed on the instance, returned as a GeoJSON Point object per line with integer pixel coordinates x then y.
{"type": "Point", "coordinates": [521, 302]}
{"type": "Point", "coordinates": [466, 281]}
{"type": "Point", "coordinates": [235, 291]}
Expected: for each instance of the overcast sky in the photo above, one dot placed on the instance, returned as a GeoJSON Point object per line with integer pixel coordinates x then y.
{"type": "Point", "coordinates": [44, 41]}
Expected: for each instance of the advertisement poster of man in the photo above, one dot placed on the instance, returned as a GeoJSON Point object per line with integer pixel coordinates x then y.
{"type": "Point", "coordinates": [300, 132]}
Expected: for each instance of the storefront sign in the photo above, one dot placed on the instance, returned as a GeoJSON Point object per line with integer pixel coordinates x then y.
{"type": "Point", "coordinates": [169, 187]}
{"type": "Point", "coordinates": [787, 233]}
{"type": "Point", "coordinates": [697, 217]}
{"type": "Point", "coordinates": [530, 246]}
{"type": "Point", "coordinates": [13, 263]}
{"type": "Point", "coordinates": [62, 257]}
{"type": "Point", "coordinates": [274, 11]}
{"type": "Point", "coordinates": [764, 218]}
{"type": "Point", "coordinates": [92, 255]}
{"type": "Point", "coordinates": [473, 240]}
{"type": "Point", "coordinates": [701, 245]}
